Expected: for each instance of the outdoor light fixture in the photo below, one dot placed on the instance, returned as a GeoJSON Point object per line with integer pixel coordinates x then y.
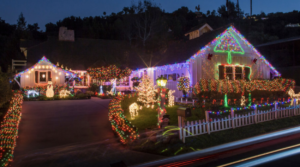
{"type": "Point", "coordinates": [26, 76]}
{"type": "Point", "coordinates": [44, 75]}
{"type": "Point", "coordinates": [161, 81]}
{"type": "Point", "coordinates": [56, 77]}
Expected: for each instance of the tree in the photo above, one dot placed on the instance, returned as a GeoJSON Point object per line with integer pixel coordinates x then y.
{"type": "Point", "coordinates": [147, 20]}
{"type": "Point", "coordinates": [208, 13]}
{"type": "Point", "coordinates": [21, 23]}
{"type": "Point", "coordinates": [146, 91]}
{"type": "Point", "coordinates": [183, 85]}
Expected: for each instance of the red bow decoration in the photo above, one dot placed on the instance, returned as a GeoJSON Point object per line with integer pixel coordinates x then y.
{"type": "Point", "coordinates": [254, 60]}
{"type": "Point", "coordinates": [209, 56]}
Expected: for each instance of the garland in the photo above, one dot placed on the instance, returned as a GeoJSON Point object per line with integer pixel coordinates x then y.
{"type": "Point", "coordinates": [108, 73]}
{"type": "Point", "coordinates": [9, 129]}
{"type": "Point", "coordinates": [125, 130]}
{"type": "Point", "coordinates": [239, 86]}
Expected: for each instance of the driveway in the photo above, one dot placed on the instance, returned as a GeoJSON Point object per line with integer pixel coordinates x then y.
{"type": "Point", "coordinates": [70, 133]}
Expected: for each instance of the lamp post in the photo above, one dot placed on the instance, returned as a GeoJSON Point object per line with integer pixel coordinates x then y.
{"type": "Point", "coordinates": [161, 82]}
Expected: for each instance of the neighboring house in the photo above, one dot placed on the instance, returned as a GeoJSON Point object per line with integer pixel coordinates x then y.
{"type": "Point", "coordinates": [40, 73]}
{"type": "Point", "coordinates": [196, 32]}
{"type": "Point", "coordinates": [220, 54]}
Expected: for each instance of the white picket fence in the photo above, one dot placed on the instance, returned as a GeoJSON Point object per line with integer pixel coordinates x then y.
{"type": "Point", "coordinates": [199, 127]}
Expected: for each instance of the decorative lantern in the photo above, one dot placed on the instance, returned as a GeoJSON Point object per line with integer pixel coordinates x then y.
{"type": "Point", "coordinates": [161, 81]}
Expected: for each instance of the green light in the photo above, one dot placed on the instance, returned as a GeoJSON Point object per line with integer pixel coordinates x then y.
{"type": "Point", "coordinates": [225, 100]}
{"type": "Point", "coordinates": [229, 59]}
{"type": "Point", "coordinates": [249, 99]}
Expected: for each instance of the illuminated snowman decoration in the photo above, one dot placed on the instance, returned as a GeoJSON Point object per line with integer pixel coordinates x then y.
{"type": "Point", "coordinates": [49, 92]}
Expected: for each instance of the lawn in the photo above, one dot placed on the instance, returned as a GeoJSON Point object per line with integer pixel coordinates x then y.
{"type": "Point", "coordinates": [147, 117]}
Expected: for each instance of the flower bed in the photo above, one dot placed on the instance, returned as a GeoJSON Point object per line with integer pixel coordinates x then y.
{"type": "Point", "coordinates": [123, 128]}
{"type": "Point", "coordinates": [9, 129]}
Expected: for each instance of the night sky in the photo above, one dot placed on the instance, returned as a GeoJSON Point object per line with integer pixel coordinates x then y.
{"type": "Point", "coordinates": [45, 11]}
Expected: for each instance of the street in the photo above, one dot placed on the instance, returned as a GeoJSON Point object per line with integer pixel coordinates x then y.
{"type": "Point", "coordinates": [70, 133]}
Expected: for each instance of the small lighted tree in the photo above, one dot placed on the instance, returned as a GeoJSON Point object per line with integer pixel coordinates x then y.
{"type": "Point", "coordinates": [146, 91]}
{"type": "Point", "coordinates": [228, 44]}
{"type": "Point", "coordinates": [183, 85]}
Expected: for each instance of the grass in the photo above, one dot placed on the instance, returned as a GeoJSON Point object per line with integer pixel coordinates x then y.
{"type": "Point", "coordinates": [147, 118]}
{"type": "Point", "coordinates": [175, 146]}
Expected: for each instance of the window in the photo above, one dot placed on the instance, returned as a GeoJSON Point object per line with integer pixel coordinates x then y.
{"type": "Point", "coordinates": [238, 73]}
{"type": "Point", "coordinates": [43, 77]}
{"type": "Point", "coordinates": [234, 72]}
{"type": "Point", "coordinates": [170, 77]}
{"type": "Point", "coordinates": [229, 73]}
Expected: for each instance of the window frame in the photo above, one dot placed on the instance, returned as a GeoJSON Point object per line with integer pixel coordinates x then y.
{"type": "Point", "coordinates": [234, 71]}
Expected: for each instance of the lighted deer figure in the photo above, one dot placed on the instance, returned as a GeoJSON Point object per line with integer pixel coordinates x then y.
{"type": "Point", "coordinates": [294, 96]}
{"type": "Point", "coordinates": [133, 110]}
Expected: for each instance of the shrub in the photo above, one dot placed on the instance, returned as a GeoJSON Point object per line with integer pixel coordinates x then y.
{"type": "Point", "coordinates": [94, 88]}
{"type": "Point", "coordinates": [5, 89]}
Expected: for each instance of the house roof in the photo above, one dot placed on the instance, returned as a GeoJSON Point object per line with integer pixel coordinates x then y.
{"type": "Point", "coordinates": [180, 51]}
{"type": "Point", "coordinates": [185, 51]}
{"type": "Point", "coordinates": [44, 59]}
{"type": "Point", "coordinates": [280, 41]}
{"type": "Point", "coordinates": [196, 28]}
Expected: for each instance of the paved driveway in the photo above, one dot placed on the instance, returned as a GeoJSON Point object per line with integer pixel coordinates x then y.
{"type": "Point", "coordinates": [70, 133]}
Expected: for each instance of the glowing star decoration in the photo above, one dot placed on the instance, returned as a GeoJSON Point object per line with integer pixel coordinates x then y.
{"type": "Point", "coordinates": [171, 98]}
{"type": "Point", "coordinates": [229, 44]}
{"type": "Point", "coordinates": [64, 93]}
{"type": "Point", "coordinates": [49, 92]}
{"type": "Point", "coordinates": [294, 96]}
{"type": "Point", "coordinates": [146, 91]}
{"type": "Point", "coordinates": [32, 92]}
{"type": "Point", "coordinates": [243, 100]}
{"type": "Point", "coordinates": [133, 110]}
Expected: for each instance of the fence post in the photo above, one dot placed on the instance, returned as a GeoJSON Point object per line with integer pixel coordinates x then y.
{"type": "Point", "coordinates": [207, 122]}
{"type": "Point", "coordinates": [255, 113]}
{"type": "Point", "coordinates": [193, 102]}
{"type": "Point", "coordinates": [180, 127]}
{"type": "Point", "coordinates": [276, 113]}
{"type": "Point", "coordinates": [294, 106]}
{"type": "Point", "coordinates": [232, 118]}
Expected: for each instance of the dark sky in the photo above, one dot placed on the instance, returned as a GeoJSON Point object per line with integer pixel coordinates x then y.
{"type": "Point", "coordinates": [45, 11]}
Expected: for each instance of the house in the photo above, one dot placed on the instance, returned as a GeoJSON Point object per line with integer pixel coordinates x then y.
{"type": "Point", "coordinates": [40, 73]}
{"type": "Point", "coordinates": [197, 31]}
{"type": "Point", "coordinates": [219, 54]}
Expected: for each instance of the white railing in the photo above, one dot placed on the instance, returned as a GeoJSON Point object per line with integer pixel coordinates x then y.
{"type": "Point", "coordinates": [199, 127]}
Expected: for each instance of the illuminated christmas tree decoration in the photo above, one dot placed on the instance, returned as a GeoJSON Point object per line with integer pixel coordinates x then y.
{"type": "Point", "coordinates": [171, 98]}
{"type": "Point", "coordinates": [229, 44]}
{"type": "Point", "coordinates": [249, 99]}
{"type": "Point", "coordinates": [146, 91]}
{"type": "Point", "coordinates": [183, 85]}
{"type": "Point", "coordinates": [64, 93]}
{"type": "Point", "coordinates": [133, 110]}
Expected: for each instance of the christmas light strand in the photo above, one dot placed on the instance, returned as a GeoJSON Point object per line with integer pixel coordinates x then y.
{"type": "Point", "coordinates": [9, 129]}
